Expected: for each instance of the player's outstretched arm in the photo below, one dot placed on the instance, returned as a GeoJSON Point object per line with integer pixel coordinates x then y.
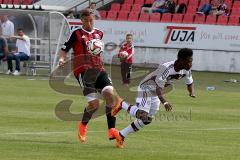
{"type": "Point", "coordinates": [191, 90]}
{"type": "Point", "coordinates": [165, 103]}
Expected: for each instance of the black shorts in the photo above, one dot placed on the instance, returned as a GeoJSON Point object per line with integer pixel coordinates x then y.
{"type": "Point", "coordinates": [93, 81]}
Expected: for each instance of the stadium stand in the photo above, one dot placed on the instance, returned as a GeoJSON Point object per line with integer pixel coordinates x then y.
{"type": "Point", "coordinates": [222, 20]}
{"type": "Point", "coordinates": [202, 2]}
{"type": "Point", "coordinates": [144, 17]}
{"type": "Point", "coordinates": [233, 20]}
{"type": "Point", "coordinates": [188, 18]}
{"type": "Point", "coordinates": [133, 16]}
{"type": "Point", "coordinates": [211, 19]}
{"type": "Point", "coordinates": [129, 1]}
{"type": "Point", "coordinates": [136, 8]}
{"type": "Point", "coordinates": [149, 1]}
{"type": "Point", "coordinates": [133, 8]}
{"type": "Point", "coordinates": [115, 7]}
{"type": "Point", "coordinates": [166, 17]}
{"type": "Point", "coordinates": [130, 10]}
{"type": "Point", "coordinates": [123, 15]}
{"type": "Point", "coordinates": [112, 15]}
{"type": "Point", "coordinates": [191, 9]}
{"type": "Point", "coordinates": [182, 1]}
{"type": "Point", "coordinates": [199, 19]}
{"type": "Point", "coordinates": [193, 3]}
{"type": "Point", "coordinates": [140, 2]}
{"type": "Point", "coordinates": [65, 5]}
{"type": "Point", "coordinates": [17, 2]}
{"type": "Point", "coordinates": [126, 7]}
{"type": "Point", "coordinates": [177, 18]}
{"type": "Point", "coordinates": [155, 17]}
{"type": "Point", "coordinates": [103, 14]}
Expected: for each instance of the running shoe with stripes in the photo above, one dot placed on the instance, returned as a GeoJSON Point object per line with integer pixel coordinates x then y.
{"type": "Point", "coordinates": [82, 132]}
{"type": "Point", "coordinates": [117, 107]}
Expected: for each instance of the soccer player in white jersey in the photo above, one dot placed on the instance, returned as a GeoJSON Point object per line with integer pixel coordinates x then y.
{"type": "Point", "coordinates": [150, 93]}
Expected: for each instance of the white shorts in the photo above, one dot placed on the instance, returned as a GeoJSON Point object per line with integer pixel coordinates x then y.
{"type": "Point", "coordinates": [148, 102]}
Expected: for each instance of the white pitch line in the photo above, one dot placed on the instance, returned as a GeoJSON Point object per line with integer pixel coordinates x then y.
{"type": "Point", "coordinates": [35, 133]}
{"type": "Point", "coordinates": [64, 132]}
{"type": "Point", "coordinates": [212, 129]}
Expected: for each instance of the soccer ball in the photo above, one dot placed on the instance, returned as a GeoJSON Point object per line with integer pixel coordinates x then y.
{"type": "Point", "coordinates": [95, 47]}
{"type": "Point", "coordinates": [123, 55]}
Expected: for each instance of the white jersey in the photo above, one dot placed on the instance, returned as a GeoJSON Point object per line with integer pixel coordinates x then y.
{"type": "Point", "coordinates": [164, 73]}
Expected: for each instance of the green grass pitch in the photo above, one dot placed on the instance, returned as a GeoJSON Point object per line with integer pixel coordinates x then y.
{"type": "Point", "coordinates": [205, 128]}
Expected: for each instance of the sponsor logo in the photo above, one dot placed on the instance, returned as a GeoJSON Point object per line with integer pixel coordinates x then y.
{"type": "Point", "coordinates": [180, 35]}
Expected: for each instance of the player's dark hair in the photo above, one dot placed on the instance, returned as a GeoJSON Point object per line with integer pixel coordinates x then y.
{"type": "Point", "coordinates": [129, 34]}
{"type": "Point", "coordinates": [93, 3]}
{"type": "Point", "coordinates": [19, 29]}
{"type": "Point", "coordinates": [86, 12]}
{"type": "Point", "coordinates": [185, 53]}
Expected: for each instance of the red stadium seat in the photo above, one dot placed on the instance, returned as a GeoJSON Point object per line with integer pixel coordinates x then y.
{"type": "Point", "coordinates": [202, 2]}
{"type": "Point", "coordinates": [183, 1]}
{"type": "Point", "coordinates": [27, 2]}
{"type": "Point", "coordinates": [235, 12]}
{"type": "Point", "coordinates": [133, 16]}
{"type": "Point", "coordinates": [228, 3]}
{"type": "Point", "coordinates": [115, 7]}
{"type": "Point", "coordinates": [233, 20]}
{"type": "Point", "coordinates": [199, 19]}
{"type": "Point", "coordinates": [144, 17]}
{"type": "Point", "coordinates": [193, 3]}
{"type": "Point", "coordinates": [149, 1]}
{"type": "Point", "coordinates": [155, 17]}
{"type": "Point", "coordinates": [141, 2]}
{"type": "Point", "coordinates": [16, 2]}
{"type": "Point", "coordinates": [122, 15]}
{"type": "Point", "coordinates": [236, 4]}
{"type": "Point", "coordinates": [166, 17]}
{"type": "Point", "coordinates": [191, 10]}
{"type": "Point", "coordinates": [136, 8]}
{"type": "Point", "coordinates": [7, 1]}
{"type": "Point", "coordinates": [177, 18]}
{"type": "Point", "coordinates": [103, 14]}
{"type": "Point", "coordinates": [188, 18]}
{"type": "Point", "coordinates": [112, 15]}
{"type": "Point", "coordinates": [222, 20]}
{"type": "Point", "coordinates": [211, 19]}
{"type": "Point", "coordinates": [126, 7]}
{"type": "Point", "coordinates": [129, 1]}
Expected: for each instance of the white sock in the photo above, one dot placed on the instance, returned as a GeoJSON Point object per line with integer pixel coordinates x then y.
{"type": "Point", "coordinates": [131, 109]}
{"type": "Point", "coordinates": [125, 105]}
{"type": "Point", "coordinates": [133, 127]}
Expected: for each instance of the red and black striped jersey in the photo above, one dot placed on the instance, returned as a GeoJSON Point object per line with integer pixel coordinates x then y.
{"type": "Point", "coordinates": [129, 48]}
{"type": "Point", "coordinates": [83, 60]}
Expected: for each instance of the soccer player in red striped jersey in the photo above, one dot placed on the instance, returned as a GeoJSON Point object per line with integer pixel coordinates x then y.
{"type": "Point", "coordinates": [151, 93]}
{"type": "Point", "coordinates": [90, 72]}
